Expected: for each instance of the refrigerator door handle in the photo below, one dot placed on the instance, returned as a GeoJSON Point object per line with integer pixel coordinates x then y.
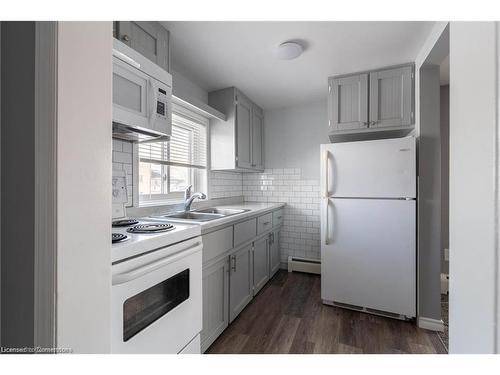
{"type": "Point", "coordinates": [327, 184]}
{"type": "Point", "coordinates": [327, 229]}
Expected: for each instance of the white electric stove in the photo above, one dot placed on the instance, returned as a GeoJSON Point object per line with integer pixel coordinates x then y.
{"type": "Point", "coordinates": [156, 288]}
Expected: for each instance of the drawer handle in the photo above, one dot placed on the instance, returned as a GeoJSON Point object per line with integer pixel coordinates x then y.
{"type": "Point", "coordinates": [267, 223]}
{"type": "Point", "coordinates": [279, 217]}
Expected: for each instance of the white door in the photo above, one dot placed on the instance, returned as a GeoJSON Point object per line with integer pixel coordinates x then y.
{"type": "Point", "coordinates": [369, 169]}
{"type": "Point", "coordinates": [368, 253]}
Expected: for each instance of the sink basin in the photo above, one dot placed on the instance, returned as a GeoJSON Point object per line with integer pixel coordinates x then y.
{"type": "Point", "coordinates": [200, 216]}
{"type": "Point", "coordinates": [222, 211]}
{"type": "Point", "coordinates": [193, 216]}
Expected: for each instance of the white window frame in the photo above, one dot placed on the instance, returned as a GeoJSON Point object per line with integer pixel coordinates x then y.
{"type": "Point", "coordinates": [175, 197]}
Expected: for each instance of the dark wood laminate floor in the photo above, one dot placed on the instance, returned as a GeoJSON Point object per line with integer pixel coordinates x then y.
{"type": "Point", "coordinates": [287, 316]}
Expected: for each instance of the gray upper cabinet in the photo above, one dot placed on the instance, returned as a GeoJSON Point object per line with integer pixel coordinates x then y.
{"type": "Point", "coordinates": [260, 263]}
{"type": "Point", "coordinates": [148, 38]}
{"type": "Point", "coordinates": [237, 143]}
{"type": "Point", "coordinates": [243, 131]}
{"type": "Point", "coordinates": [240, 280]}
{"type": "Point", "coordinates": [371, 105]}
{"type": "Point", "coordinates": [348, 102]}
{"type": "Point", "coordinates": [391, 97]}
{"type": "Point", "coordinates": [257, 138]}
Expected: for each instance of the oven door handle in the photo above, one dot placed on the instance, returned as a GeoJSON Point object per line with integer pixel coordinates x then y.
{"type": "Point", "coordinates": [148, 268]}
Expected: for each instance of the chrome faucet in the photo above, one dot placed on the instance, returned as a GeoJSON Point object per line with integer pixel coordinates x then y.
{"type": "Point", "coordinates": [190, 197]}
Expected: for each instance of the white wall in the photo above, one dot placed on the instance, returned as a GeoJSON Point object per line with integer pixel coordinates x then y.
{"type": "Point", "coordinates": [293, 137]}
{"type": "Point", "coordinates": [184, 88]}
{"type": "Point", "coordinates": [423, 57]}
{"type": "Point", "coordinates": [429, 196]}
{"type": "Point", "coordinates": [473, 187]}
{"type": "Point", "coordinates": [84, 186]}
{"type": "Point", "coordinates": [444, 113]}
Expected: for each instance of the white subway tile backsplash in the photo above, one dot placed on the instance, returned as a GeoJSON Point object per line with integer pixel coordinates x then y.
{"type": "Point", "coordinates": [300, 235]}
{"type": "Point", "coordinates": [122, 161]}
{"type": "Point", "coordinates": [225, 184]}
{"type": "Point", "coordinates": [122, 157]}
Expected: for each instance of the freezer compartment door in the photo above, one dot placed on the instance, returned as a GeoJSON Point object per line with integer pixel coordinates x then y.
{"type": "Point", "coordinates": [373, 169]}
{"type": "Point", "coordinates": [368, 254]}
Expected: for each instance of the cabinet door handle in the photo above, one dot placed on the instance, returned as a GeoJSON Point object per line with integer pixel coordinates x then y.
{"type": "Point", "coordinates": [233, 258]}
{"type": "Point", "coordinates": [126, 38]}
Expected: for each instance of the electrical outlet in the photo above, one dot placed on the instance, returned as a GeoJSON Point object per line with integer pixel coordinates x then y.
{"type": "Point", "coordinates": [447, 255]}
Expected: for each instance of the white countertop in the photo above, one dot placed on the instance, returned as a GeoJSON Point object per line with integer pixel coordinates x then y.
{"type": "Point", "coordinates": [140, 243]}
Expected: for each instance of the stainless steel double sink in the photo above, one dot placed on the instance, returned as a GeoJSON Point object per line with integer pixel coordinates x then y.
{"type": "Point", "coordinates": [199, 216]}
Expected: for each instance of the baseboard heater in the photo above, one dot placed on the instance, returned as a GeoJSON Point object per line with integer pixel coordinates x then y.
{"type": "Point", "coordinates": [298, 264]}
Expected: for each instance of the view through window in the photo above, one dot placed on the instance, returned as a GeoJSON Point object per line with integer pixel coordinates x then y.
{"type": "Point", "coordinates": [167, 168]}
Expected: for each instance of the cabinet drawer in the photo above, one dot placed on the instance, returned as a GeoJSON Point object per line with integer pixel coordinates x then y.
{"type": "Point", "coordinates": [278, 217]}
{"type": "Point", "coordinates": [245, 231]}
{"type": "Point", "coordinates": [264, 223]}
{"type": "Point", "coordinates": [217, 243]}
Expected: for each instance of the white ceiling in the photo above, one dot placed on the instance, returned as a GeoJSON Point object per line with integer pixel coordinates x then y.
{"type": "Point", "coordinates": [215, 55]}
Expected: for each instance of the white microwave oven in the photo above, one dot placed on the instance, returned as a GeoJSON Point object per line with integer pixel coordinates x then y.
{"type": "Point", "coordinates": [142, 97]}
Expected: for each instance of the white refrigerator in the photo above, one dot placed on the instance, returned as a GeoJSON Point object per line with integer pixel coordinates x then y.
{"type": "Point", "coordinates": [368, 226]}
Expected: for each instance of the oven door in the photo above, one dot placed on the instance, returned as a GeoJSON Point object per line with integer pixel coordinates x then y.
{"type": "Point", "coordinates": [157, 300]}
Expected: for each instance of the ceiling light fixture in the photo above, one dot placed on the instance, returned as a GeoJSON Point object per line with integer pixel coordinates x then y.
{"type": "Point", "coordinates": [289, 51]}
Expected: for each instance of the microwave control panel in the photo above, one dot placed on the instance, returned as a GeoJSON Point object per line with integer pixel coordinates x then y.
{"type": "Point", "coordinates": [161, 104]}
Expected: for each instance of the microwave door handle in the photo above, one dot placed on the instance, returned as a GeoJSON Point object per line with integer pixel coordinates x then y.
{"type": "Point", "coordinates": [126, 58]}
{"type": "Point", "coordinates": [153, 99]}
{"type": "Point", "coordinates": [148, 268]}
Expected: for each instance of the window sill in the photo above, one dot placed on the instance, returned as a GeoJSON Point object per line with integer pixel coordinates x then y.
{"type": "Point", "coordinates": [160, 203]}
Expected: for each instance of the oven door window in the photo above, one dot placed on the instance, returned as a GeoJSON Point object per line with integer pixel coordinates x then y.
{"type": "Point", "coordinates": [151, 304]}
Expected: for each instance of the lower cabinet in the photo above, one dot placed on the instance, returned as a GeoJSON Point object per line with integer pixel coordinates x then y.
{"type": "Point", "coordinates": [233, 274]}
{"type": "Point", "coordinates": [260, 263]}
{"type": "Point", "coordinates": [274, 252]}
{"type": "Point", "coordinates": [215, 302]}
{"type": "Point", "coordinates": [241, 280]}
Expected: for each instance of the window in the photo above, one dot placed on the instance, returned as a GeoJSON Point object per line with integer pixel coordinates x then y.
{"type": "Point", "coordinates": [166, 169]}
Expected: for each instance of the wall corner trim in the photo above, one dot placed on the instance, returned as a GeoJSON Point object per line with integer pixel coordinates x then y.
{"type": "Point", "coordinates": [431, 324]}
